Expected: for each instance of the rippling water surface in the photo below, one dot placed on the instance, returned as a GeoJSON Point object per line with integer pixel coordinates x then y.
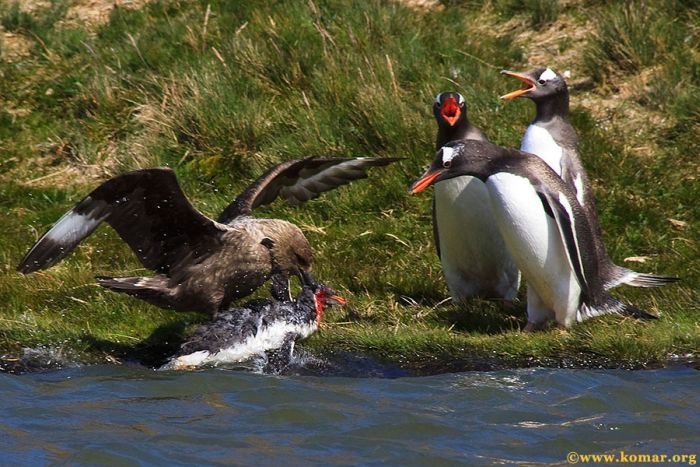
{"type": "Point", "coordinates": [117, 415]}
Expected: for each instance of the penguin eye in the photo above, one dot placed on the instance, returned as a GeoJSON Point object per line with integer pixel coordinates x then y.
{"type": "Point", "coordinates": [447, 164]}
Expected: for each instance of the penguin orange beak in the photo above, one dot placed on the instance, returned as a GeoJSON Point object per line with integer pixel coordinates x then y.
{"type": "Point", "coordinates": [425, 181]}
{"type": "Point", "coordinates": [337, 300]}
{"type": "Point", "coordinates": [528, 85]}
{"type": "Point", "coordinates": [450, 111]}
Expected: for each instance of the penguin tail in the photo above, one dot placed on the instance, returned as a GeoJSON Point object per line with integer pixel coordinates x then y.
{"type": "Point", "coordinates": [609, 305]}
{"type": "Point", "coordinates": [650, 280]}
{"type": "Point", "coordinates": [638, 279]}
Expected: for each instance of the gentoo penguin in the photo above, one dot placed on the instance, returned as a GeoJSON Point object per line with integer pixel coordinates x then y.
{"type": "Point", "coordinates": [473, 256]}
{"type": "Point", "coordinates": [450, 110]}
{"type": "Point", "coordinates": [200, 264]}
{"type": "Point", "coordinates": [552, 137]}
{"type": "Point", "coordinates": [258, 328]}
{"type": "Point", "coordinates": [544, 227]}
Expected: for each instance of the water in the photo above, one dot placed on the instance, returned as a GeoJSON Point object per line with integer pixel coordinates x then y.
{"type": "Point", "coordinates": [118, 415]}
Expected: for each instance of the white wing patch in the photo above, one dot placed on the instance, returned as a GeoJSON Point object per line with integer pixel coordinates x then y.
{"type": "Point", "coordinates": [310, 187]}
{"type": "Point", "coordinates": [547, 75]}
{"type": "Point", "coordinates": [72, 227]}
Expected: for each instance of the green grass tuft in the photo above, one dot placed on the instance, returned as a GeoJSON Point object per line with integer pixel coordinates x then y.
{"type": "Point", "coordinates": [630, 36]}
{"type": "Point", "coordinates": [14, 19]}
{"type": "Point", "coordinates": [540, 13]}
{"type": "Point", "coordinates": [221, 99]}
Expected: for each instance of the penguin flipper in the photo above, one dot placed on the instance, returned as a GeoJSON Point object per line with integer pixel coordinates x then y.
{"type": "Point", "coordinates": [560, 209]}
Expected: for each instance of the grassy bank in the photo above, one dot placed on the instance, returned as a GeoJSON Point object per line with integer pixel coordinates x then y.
{"type": "Point", "coordinates": [221, 90]}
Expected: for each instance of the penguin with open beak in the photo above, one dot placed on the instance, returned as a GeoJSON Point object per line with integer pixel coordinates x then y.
{"type": "Point", "coordinates": [544, 228]}
{"type": "Point", "coordinates": [551, 137]}
{"type": "Point", "coordinates": [473, 256]}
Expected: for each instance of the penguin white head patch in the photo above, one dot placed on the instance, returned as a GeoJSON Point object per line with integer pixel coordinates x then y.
{"type": "Point", "coordinates": [547, 75]}
{"type": "Point", "coordinates": [460, 97]}
{"type": "Point", "coordinates": [448, 153]}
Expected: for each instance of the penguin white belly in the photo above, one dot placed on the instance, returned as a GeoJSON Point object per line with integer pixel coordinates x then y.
{"type": "Point", "coordinates": [539, 142]}
{"type": "Point", "coordinates": [533, 239]}
{"type": "Point", "coordinates": [268, 338]}
{"type": "Point", "coordinates": [474, 257]}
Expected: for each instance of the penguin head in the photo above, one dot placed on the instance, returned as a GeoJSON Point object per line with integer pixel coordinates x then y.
{"type": "Point", "coordinates": [449, 108]}
{"type": "Point", "coordinates": [324, 297]}
{"type": "Point", "coordinates": [316, 296]}
{"type": "Point", "coordinates": [538, 84]}
{"type": "Point", "coordinates": [457, 158]}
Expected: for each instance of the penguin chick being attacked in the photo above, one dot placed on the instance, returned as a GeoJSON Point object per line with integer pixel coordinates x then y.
{"type": "Point", "coordinates": [258, 328]}
{"type": "Point", "coordinates": [544, 227]}
{"type": "Point", "coordinates": [473, 256]}
{"type": "Point", "coordinates": [551, 137]}
{"type": "Point", "coordinates": [200, 264]}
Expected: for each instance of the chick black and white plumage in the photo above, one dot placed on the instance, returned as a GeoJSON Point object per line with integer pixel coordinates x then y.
{"type": "Point", "coordinates": [200, 264]}
{"type": "Point", "coordinates": [544, 227]}
{"type": "Point", "coordinates": [551, 137]}
{"type": "Point", "coordinates": [258, 328]}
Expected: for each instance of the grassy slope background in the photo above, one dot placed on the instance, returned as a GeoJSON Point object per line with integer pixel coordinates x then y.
{"type": "Point", "coordinates": [221, 90]}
